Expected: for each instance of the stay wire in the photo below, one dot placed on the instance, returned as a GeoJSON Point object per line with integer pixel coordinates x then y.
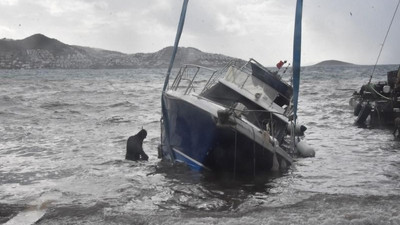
{"type": "Point", "coordinates": [384, 40]}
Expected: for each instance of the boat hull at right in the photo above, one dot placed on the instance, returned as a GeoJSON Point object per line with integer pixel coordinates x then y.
{"type": "Point", "coordinates": [378, 104]}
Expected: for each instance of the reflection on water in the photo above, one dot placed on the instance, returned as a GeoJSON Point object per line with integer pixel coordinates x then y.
{"type": "Point", "coordinates": [209, 191]}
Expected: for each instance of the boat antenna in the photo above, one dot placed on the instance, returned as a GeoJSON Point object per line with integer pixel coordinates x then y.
{"type": "Point", "coordinates": [286, 68]}
{"type": "Point", "coordinates": [384, 40]}
{"type": "Point", "coordinates": [296, 62]}
{"type": "Point", "coordinates": [163, 104]}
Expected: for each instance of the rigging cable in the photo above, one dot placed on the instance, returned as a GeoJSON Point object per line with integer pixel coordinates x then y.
{"type": "Point", "coordinates": [384, 40]}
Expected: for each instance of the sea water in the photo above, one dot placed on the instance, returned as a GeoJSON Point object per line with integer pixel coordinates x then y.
{"type": "Point", "coordinates": [62, 145]}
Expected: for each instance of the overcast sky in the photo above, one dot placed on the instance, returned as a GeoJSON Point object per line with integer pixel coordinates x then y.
{"type": "Point", "coordinates": [347, 30]}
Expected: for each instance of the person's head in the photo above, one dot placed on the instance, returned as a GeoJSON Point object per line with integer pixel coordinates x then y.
{"type": "Point", "coordinates": [142, 133]}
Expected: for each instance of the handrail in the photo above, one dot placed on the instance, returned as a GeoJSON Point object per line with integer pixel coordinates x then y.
{"type": "Point", "coordinates": [201, 67]}
{"type": "Point", "coordinates": [208, 82]}
{"type": "Point", "coordinates": [212, 79]}
{"type": "Point", "coordinates": [185, 70]}
{"type": "Point", "coordinates": [176, 78]}
{"type": "Point", "coordinates": [191, 82]}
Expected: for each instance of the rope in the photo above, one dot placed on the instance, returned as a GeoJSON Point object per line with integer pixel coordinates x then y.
{"type": "Point", "coordinates": [382, 96]}
{"type": "Point", "coordinates": [379, 115]}
{"type": "Point", "coordinates": [254, 152]}
{"type": "Point", "coordinates": [384, 40]}
{"type": "Point", "coordinates": [234, 165]}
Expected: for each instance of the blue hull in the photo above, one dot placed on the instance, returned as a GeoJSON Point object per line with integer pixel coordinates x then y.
{"type": "Point", "coordinates": [196, 140]}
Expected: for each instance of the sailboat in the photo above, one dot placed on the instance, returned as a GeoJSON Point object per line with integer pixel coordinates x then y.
{"type": "Point", "coordinates": [240, 119]}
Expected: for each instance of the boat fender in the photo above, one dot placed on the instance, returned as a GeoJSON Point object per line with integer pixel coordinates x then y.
{"type": "Point", "coordinates": [357, 109]}
{"type": "Point", "coordinates": [298, 129]}
{"type": "Point", "coordinates": [364, 113]}
{"type": "Point", "coordinates": [386, 89]}
{"type": "Point", "coordinates": [304, 149]}
{"type": "Point", "coordinates": [353, 100]}
{"type": "Point", "coordinates": [224, 118]}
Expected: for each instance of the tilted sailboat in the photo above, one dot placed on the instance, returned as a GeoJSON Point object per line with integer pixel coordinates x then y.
{"type": "Point", "coordinates": [233, 120]}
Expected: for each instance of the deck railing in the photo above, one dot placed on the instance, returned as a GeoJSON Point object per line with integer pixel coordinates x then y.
{"type": "Point", "coordinates": [192, 77]}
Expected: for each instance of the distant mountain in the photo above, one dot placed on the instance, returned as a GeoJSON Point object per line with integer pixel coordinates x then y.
{"type": "Point", "coordinates": [333, 63]}
{"type": "Point", "coordinates": [39, 51]}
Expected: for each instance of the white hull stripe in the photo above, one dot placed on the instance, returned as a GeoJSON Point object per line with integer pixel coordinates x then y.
{"type": "Point", "coordinates": [190, 158]}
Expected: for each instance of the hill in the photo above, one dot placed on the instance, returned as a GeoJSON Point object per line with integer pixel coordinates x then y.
{"type": "Point", "coordinates": [333, 63]}
{"type": "Point", "coordinates": [40, 51]}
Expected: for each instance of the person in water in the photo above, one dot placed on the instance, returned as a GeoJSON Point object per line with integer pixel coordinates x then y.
{"type": "Point", "coordinates": [134, 147]}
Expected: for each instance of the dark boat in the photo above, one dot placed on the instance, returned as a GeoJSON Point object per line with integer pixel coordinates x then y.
{"type": "Point", "coordinates": [236, 119]}
{"type": "Point", "coordinates": [378, 104]}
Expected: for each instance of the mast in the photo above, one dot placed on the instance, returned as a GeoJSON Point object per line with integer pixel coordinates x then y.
{"type": "Point", "coordinates": [296, 66]}
{"type": "Point", "coordinates": [177, 38]}
{"type": "Point", "coordinates": [297, 56]}
{"type": "Point", "coordinates": [163, 105]}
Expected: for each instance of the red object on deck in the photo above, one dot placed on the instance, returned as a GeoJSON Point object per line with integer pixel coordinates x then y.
{"type": "Point", "coordinates": [280, 64]}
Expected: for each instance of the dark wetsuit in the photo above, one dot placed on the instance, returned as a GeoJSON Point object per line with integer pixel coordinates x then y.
{"type": "Point", "coordinates": [134, 147]}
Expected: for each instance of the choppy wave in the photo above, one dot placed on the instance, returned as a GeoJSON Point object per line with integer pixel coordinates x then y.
{"type": "Point", "coordinates": [63, 139]}
{"type": "Point", "coordinates": [55, 105]}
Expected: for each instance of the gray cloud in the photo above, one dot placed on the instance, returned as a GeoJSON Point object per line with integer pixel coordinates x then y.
{"type": "Point", "coordinates": [263, 29]}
